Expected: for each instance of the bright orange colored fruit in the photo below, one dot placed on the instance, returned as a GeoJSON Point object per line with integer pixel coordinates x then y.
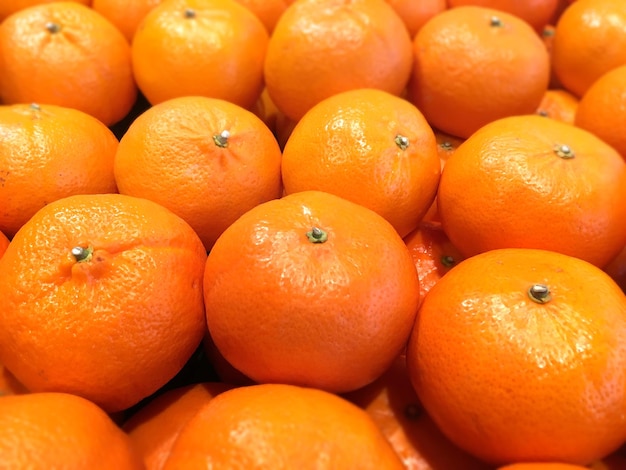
{"type": "Point", "coordinates": [125, 15]}
{"type": "Point", "coordinates": [559, 104]}
{"type": "Point", "coordinates": [311, 289]}
{"type": "Point", "coordinates": [519, 355]}
{"type": "Point", "coordinates": [9, 7]}
{"type": "Point", "coordinates": [101, 296]}
{"type": "Point", "coordinates": [416, 13]}
{"type": "Point", "coordinates": [536, 13]}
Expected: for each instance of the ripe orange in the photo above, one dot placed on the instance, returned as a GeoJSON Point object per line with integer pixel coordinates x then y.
{"type": "Point", "coordinates": [59, 430]}
{"type": "Point", "coordinates": [536, 13]}
{"type": "Point", "coordinates": [602, 109]}
{"type": "Point", "coordinates": [533, 182]}
{"type": "Point", "coordinates": [368, 146]}
{"type": "Point", "coordinates": [395, 408]}
{"type": "Point", "coordinates": [559, 104]}
{"type": "Point", "coordinates": [49, 152]}
{"type": "Point", "coordinates": [281, 426]}
{"type": "Point", "coordinates": [589, 40]}
{"type": "Point", "coordinates": [155, 426]}
{"type": "Point", "coordinates": [268, 11]}
{"type": "Point", "coordinates": [473, 65]}
{"type": "Point", "coordinates": [101, 296]}
{"type": "Point", "coordinates": [125, 15]}
{"type": "Point", "coordinates": [310, 289]}
{"type": "Point", "coordinates": [323, 47]}
{"type": "Point", "coordinates": [519, 355]}
{"type": "Point", "coordinates": [416, 14]}
{"type": "Point", "coordinates": [67, 54]}
{"type": "Point", "coordinates": [205, 159]}
{"type": "Point", "coordinates": [9, 7]}
{"type": "Point", "coordinates": [212, 48]}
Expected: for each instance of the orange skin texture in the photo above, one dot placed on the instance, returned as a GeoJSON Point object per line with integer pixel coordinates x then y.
{"type": "Point", "coordinates": [59, 430]}
{"type": "Point", "coordinates": [9, 7]}
{"type": "Point", "coordinates": [507, 186]}
{"type": "Point", "coordinates": [281, 308]}
{"type": "Point", "coordinates": [589, 40]}
{"type": "Point", "coordinates": [113, 328]}
{"type": "Point", "coordinates": [346, 145]}
{"type": "Point", "coordinates": [125, 15]}
{"type": "Point", "coordinates": [281, 426]}
{"type": "Point", "coordinates": [416, 14]}
{"type": "Point", "coordinates": [219, 52]}
{"type": "Point", "coordinates": [85, 65]}
{"type": "Point", "coordinates": [394, 406]}
{"type": "Point", "coordinates": [169, 155]}
{"type": "Point", "coordinates": [49, 152]}
{"type": "Point", "coordinates": [537, 13]}
{"type": "Point", "coordinates": [509, 379]}
{"type": "Point", "coordinates": [154, 428]}
{"type": "Point", "coordinates": [468, 72]}
{"type": "Point", "coordinates": [602, 109]}
{"type": "Point", "coordinates": [559, 104]}
{"type": "Point", "coordinates": [322, 48]}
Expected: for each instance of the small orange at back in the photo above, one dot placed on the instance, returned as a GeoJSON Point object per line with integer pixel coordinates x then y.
{"type": "Point", "coordinates": [559, 104]}
{"type": "Point", "coordinates": [205, 159]}
{"type": "Point", "coordinates": [602, 109]}
{"type": "Point", "coordinates": [323, 47]}
{"type": "Point", "coordinates": [473, 65]}
{"type": "Point", "coordinates": [8, 7]}
{"type": "Point", "coordinates": [310, 289]}
{"type": "Point", "coordinates": [368, 146]}
{"type": "Point", "coordinates": [519, 355]}
{"type": "Point", "coordinates": [48, 152]}
{"type": "Point", "coordinates": [589, 40]}
{"type": "Point", "coordinates": [155, 426]}
{"type": "Point", "coordinates": [268, 11]}
{"type": "Point", "coordinates": [60, 430]}
{"type": "Point", "coordinates": [534, 182]}
{"type": "Point", "coordinates": [213, 48]}
{"type": "Point", "coordinates": [109, 289]}
{"type": "Point", "coordinates": [416, 13]}
{"type": "Point", "coordinates": [276, 426]}
{"type": "Point", "coordinates": [66, 54]}
{"type": "Point", "coordinates": [125, 14]}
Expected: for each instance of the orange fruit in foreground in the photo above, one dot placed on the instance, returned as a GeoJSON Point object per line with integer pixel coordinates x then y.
{"type": "Point", "coordinates": [205, 159]}
{"type": "Point", "coordinates": [368, 146]}
{"type": "Point", "coordinates": [534, 182]}
{"type": "Point", "coordinates": [559, 104]}
{"type": "Point", "coordinates": [589, 40]}
{"type": "Point", "coordinates": [49, 152]}
{"type": "Point", "coordinates": [212, 48]}
{"type": "Point", "coordinates": [66, 54]}
{"type": "Point", "coordinates": [9, 7]}
{"type": "Point", "coordinates": [395, 408]}
{"type": "Point", "coordinates": [473, 65]}
{"type": "Point", "coordinates": [281, 426]}
{"type": "Point", "coordinates": [602, 109]}
{"type": "Point", "coordinates": [59, 430]}
{"type": "Point", "coordinates": [536, 13]}
{"type": "Point", "coordinates": [155, 426]}
{"type": "Point", "coordinates": [323, 47]}
{"type": "Point", "coordinates": [519, 355]}
{"type": "Point", "coordinates": [101, 296]}
{"type": "Point", "coordinates": [125, 15]}
{"type": "Point", "coordinates": [310, 289]}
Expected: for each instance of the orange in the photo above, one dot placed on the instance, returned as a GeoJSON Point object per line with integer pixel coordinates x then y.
{"type": "Point", "coordinates": [617, 268]}
{"type": "Point", "coordinates": [559, 104]}
{"type": "Point", "coordinates": [536, 13]}
{"type": "Point", "coordinates": [602, 109]}
{"type": "Point", "coordinates": [433, 254]}
{"type": "Point", "coordinates": [542, 466]}
{"type": "Point", "coordinates": [60, 430]}
{"type": "Point", "coordinates": [395, 408]}
{"type": "Point", "coordinates": [101, 296]}
{"type": "Point", "coordinates": [49, 152]}
{"type": "Point", "coordinates": [519, 355]}
{"type": "Point", "coordinates": [310, 289]}
{"type": "Point", "coordinates": [125, 15]}
{"type": "Point", "coordinates": [534, 182]}
{"type": "Point", "coordinates": [416, 14]}
{"type": "Point", "coordinates": [368, 146]}
{"type": "Point", "coordinates": [589, 40]}
{"type": "Point", "coordinates": [4, 243]}
{"type": "Point", "coordinates": [323, 47]}
{"type": "Point", "coordinates": [9, 7]}
{"type": "Point", "coordinates": [155, 426]}
{"type": "Point", "coordinates": [9, 385]}
{"type": "Point", "coordinates": [66, 54]}
{"type": "Point", "coordinates": [205, 159]}
{"type": "Point", "coordinates": [281, 426]}
{"type": "Point", "coordinates": [473, 65]}
{"type": "Point", "coordinates": [268, 11]}
{"type": "Point", "coordinates": [213, 48]}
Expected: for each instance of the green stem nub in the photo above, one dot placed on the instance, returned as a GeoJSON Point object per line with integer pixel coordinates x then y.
{"type": "Point", "coordinates": [495, 21]}
{"type": "Point", "coordinates": [317, 235]}
{"type": "Point", "coordinates": [53, 27]}
{"type": "Point", "coordinates": [190, 13]}
{"type": "Point", "coordinates": [447, 261]}
{"type": "Point", "coordinates": [402, 142]}
{"type": "Point", "coordinates": [564, 151]}
{"type": "Point", "coordinates": [82, 254]}
{"type": "Point", "coordinates": [221, 139]}
{"type": "Point", "coordinates": [539, 293]}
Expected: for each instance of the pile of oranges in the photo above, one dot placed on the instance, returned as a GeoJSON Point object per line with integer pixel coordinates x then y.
{"type": "Point", "coordinates": [273, 234]}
